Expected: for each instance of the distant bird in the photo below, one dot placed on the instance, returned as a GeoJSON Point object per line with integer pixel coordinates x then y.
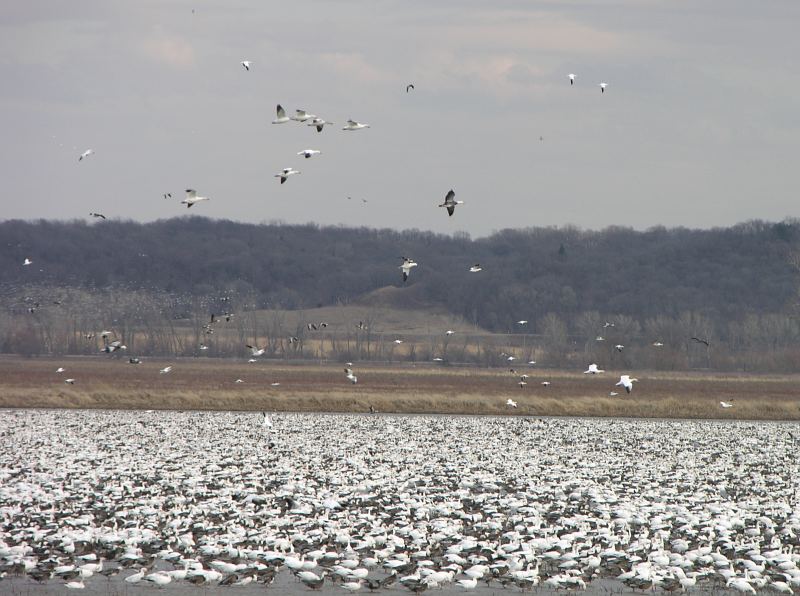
{"type": "Point", "coordinates": [293, 339]}
{"type": "Point", "coordinates": [600, 338]}
{"type": "Point", "coordinates": [475, 268]}
{"type": "Point", "coordinates": [361, 325]}
{"type": "Point", "coordinates": [251, 360]}
{"type": "Point", "coordinates": [546, 383]}
{"type": "Point", "coordinates": [657, 344]}
{"type": "Point", "coordinates": [350, 376]}
{"type": "Point", "coordinates": [522, 383]}
{"type": "Point", "coordinates": [627, 382]}
{"type": "Point", "coordinates": [522, 322]}
{"type": "Point", "coordinates": [726, 404]}
{"type": "Point", "coordinates": [285, 173]}
{"type": "Point", "coordinates": [511, 403]}
{"type": "Point", "coordinates": [603, 87]}
{"type": "Point", "coordinates": [238, 381]}
{"type": "Point", "coordinates": [165, 370]}
{"type": "Point", "coordinates": [167, 195]}
{"type": "Point", "coordinates": [86, 154]}
{"type": "Point", "coordinates": [398, 341]}
{"type": "Point", "coordinates": [613, 393]}
{"type": "Point", "coordinates": [302, 116]}
{"type": "Point", "coordinates": [593, 370]}
{"type": "Point", "coordinates": [266, 421]}
{"type": "Point", "coordinates": [701, 341]}
{"type": "Point", "coordinates": [27, 262]}
{"type": "Point", "coordinates": [282, 117]}
{"type": "Point", "coordinates": [319, 123]}
{"type": "Point", "coordinates": [60, 369]}
{"type": "Point", "coordinates": [256, 351]}
{"type": "Point", "coordinates": [607, 324]}
{"type": "Point", "coordinates": [113, 346]}
{"type": "Point", "coordinates": [203, 347]}
{"type": "Point", "coordinates": [100, 215]}
{"type": "Point", "coordinates": [246, 64]}
{"type": "Point", "coordinates": [619, 347]}
{"type": "Point", "coordinates": [192, 198]}
{"type": "Point", "coordinates": [134, 361]}
{"type": "Point", "coordinates": [274, 384]}
{"type": "Point", "coordinates": [406, 267]}
{"type": "Point", "coordinates": [449, 332]}
{"type": "Point", "coordinates": [531, 362]}
{"type": "Point", "coordinates": [450, 202]}
{"type": "Point", "coordinates": [409, 87]}
{"type": "Point", "coordinates": [69, 381]}
{"type": "Point", "coordinates": [353, 125]}
{"type": "Point", "coordinates": [308, 153]}
{"type": "Point", "coordinates": [571, 78]}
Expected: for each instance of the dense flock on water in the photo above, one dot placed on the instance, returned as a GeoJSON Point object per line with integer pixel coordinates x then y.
{"type": "Point", "coordinates": [97, 499]}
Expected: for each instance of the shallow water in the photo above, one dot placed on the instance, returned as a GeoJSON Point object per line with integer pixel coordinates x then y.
{"type": "Point", "coordinates": [221, 486]}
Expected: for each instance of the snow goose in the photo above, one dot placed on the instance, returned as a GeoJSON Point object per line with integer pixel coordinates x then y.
{"type": "Point", "coordinates": [476, 268]}
{"type": "Point", "coordinates": [593, 370]}
{"type": "Point", "coordinates": [302, 116]}
{"type": "Point", "coordinates": [450, 202]}
{"type": "Point", "coordinates": [318, 123]}
{"type": "Point", "coordinates": [350, 376]}
{"type": "Point", "coordinates": [603, 87]}
{"type": "Point", "coordinates": [27, 262]}
{"type": "Point", "coordinates": [86, 154]}
{"type": "Point", "coordinates": [353, 125]}
{"type": "Point", "coordinates": [725, 404]}
{"type": "Point", "coordinates": [309, 152]}
{"type": "Point", "coordinates": [285, 173]}
{"type": "Point", "coordinates": [165, 370]}
{"type": "Point", "coordinates": [246, 64]}
{"type": "Point", "coordinates": [282, 117]}
{"type": "Point", "coordinates": [627, 382]}
{"type": "Point", "coordinates": [406, 267]}
{"type": "Point", "coordinates": [192, 198]}
{"type": "Point", "coordinates": [571, 78]}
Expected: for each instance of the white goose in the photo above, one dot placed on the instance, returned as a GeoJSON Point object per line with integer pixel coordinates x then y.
{"type": "Point", "coordinates": [86, 154]}
{"type": "Point", "coordinates": [319, 123]}
{"type": "Point", "coordinates": [353, 125]}
{"type": "Point", "coordinates": [450, 202]}
{"type": "Point", "coordinates": [192, 198]}
{"type": "Point", "coordinates": [593, 370]}
{"type": "Point", "coordinates": [309, 153]}
{"type": "Point", "coordinates": [406, 267]}
{"type": "Point", "coordinates": [571, 78]}
{"type": "Point", "coordinates": [285, 173]}
{"type": "Point", "coordinates": [282, 117]}
{"type": "Point", "coordinates": [302, 116]}
{"type": "Point", "coordinates": [350, 376]}
{"type": "Point", "coordinates": [627, 382]}
{"type": "Point", "coordinates": [246, 64]}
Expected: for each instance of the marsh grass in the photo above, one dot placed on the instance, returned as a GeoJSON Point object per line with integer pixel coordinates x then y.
{"type": "Point", "coordinates": [208, 384]}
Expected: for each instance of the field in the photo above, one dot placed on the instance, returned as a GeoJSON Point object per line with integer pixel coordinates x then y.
{"type": "Point", "coordinates": [210, 384]}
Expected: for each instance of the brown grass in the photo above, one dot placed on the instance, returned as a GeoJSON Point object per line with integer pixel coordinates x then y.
{"type": "Point", "coordinates": [206, 384]}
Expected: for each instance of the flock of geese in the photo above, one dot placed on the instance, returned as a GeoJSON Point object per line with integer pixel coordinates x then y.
{"type": "Point", "coordinates": [342, 503]}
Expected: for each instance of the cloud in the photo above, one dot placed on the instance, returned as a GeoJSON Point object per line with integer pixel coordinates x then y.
{"type": "Point", "coordinates": [172, 51]}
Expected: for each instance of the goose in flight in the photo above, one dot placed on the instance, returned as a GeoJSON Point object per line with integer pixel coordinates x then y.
{"type": "Point", "coordinates": [476, 268]}
{"type": "Point", "coordinates": [450, 202]}
{"type": "Point", "coordinates": [69, 381]}
{"type": "Point", "coordinates": [619, 347]}
{"type": "Point", "coordinates": [27, 262]}
{"type": "Point", "coordinates": [113, 346]}
{"type": "Point", "coordinates": [256, 351]}
{"type": "Point", "coordinates": [701, 341]}
{"type": "Point", "coordinates": [409, 87]}
{"type": "Point", "coordinates": [511, 403]}
{"type": "Point", "coordinates": [571, 78]}
{"type": "Point", "coordinates": [593, 370]}
{"type": "Point", "coordinates": [60, 369]}
{"type": "Point", "coordinates": [726, 404]}
{"type": "Point", "coordinates": [398, 341]}
{"type": "Point", "coordinates": [353, 125]}
{"type": "Point", "coordinates": [285, 173]}
{"type": "Point", "coordinates": [192, 198]}
{"type": "Point", "coordinates": [165, 370]}
{"type": "Point", "coordinates": [658, 344]}
{"type": "Point", "coordinates": [627, 382]}
{"type": "Point", "coordinates": [319, 123]}
{"type": "Point", "coordinates": [613, 394]}
{"type": "Point", "coordinates": [406, 267]}
{"type": "Point", "coordinates": [282, 117]}
{"type": "Point", "coordinates": [246, 64]}
{"type": "Point", "coordinates": [449, 332]}
{"type": "Point", "coordinates": [603, 87]}
{"type": "Point", "coordinates": [522, 322]}
{"type": "Point", "coordinates": [100, 215]}
{"type": "Point", "coordinates": [86, 154]}
{"type": "Point", "coordinates": [167, 195]}
{"type": "Point", "coordinates": [134, 361]}
{"type": "Point", "coordinates": [350, 376]}
{"type": "Point", "coordinates": [545, 383]}
{"type": "Point", "coordinates": [309, 153]}
{"type": "Point", "coordinates": [301, 116]}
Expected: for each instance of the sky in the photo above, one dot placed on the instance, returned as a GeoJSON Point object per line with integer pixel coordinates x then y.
{"type": "Point", "coordinates": [698, 127]}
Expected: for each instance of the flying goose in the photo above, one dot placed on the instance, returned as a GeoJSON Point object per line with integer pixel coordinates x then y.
{"type": "Point", "coordinates": [603, 87]}
{"type": "Point", "coordinates": [85, 154]}
{"type": "Point", "coordinates": [409, 86]}
{"type": "Point", "coordinates": [406, 267]}
{"type": "Point", "coordinates": [256, 351]}
{"type": "Point", "coordinates": [726, 404]}
{"type": "Point", "coordinates": [353, 125]}
{"type": "Point", "coordinates": [192, 198]}
{"type": "Point", "coordinates": [100, 215]}
{"type": "Point", "coordinates": [450, 202]}
{"type": "Point", "coordinates": [69, 381]}
{"type": "Point", "coordinates": [593, 370]}
{"type": "Point", "coordinates": [309, 152]}
{"type": "Point", "coordinates": [475, 268]}
{"type": "Point", "coordinates": [319, 123]}
{"type": "Point", "coordinates": [285, 173]}
{"type": "Point", "coordinates": [619, 347]}
{"type": "Point", "coordinates": [282, 117]}
{"type": "Point", "coordinates": [627, 382]}
{"type": "Point", "coordinates": [301, 116]}
{"type": "Point", "coordinates": [571, 78]}
{"type": "Point", "coordinates": [246, 64]}
{"type": "Point", "coordinates": [511, 403]}
{"type": "Point", "coordinates": [350, 376]}
{"type": "Point", "coordinates": [165, 370]}
{"type": "Point", "coordinates": [27, 262]}
{"type": "Point", "coordinates": [700, 341]}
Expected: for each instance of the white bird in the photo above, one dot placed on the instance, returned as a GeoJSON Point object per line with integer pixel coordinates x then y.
{"type": "Point", "coordinates": [75, 585]}
{"type": "Point", "coordinates": [238, 381]}
{"type": "Point", "coordinates": [468, 584]}
{"type": "Point", "coordinates": [627, 382]}
{"type": "Point", "coordinates": [283, 175]}
{"type": "Point", "coordinates": [282, 117]}
{"type": "Point", "coordinates": [192, 198]}
{"type": "Point", "coordinates": [657, 344]}
{"type": "Point", "coordinates": [450, 202]}
{"type": "Point", "coordinates": [165, 370]}
{"type": "Point", "coordinates": [246, 64]}
{"type": "Point", "coordinates": [27, 262]}
{"type": "Point", "coordinates": [619, 347]}
{"type": "Point", "coordinates": [406, 267]}
{"type": "Point", "coordinates": [301, 116]}
{"type": "Point", "coordinates": [86, 154]}
{"type": "Point", "coordinates": [353, 125]}
{"type": "Point", "coordinates": [475, 268]}
{"type": "Point", "coordinates": [266, 422]}
{"type": "Point", "coordinates": [545, 383]}
{"type": "Point", "coordinates": [308, 153]}
{"type": "Point", "coordinates": [522, 322]}
{"type": "Point", "coordinates": [398, 341]}
{"type": "Point", "coordinates": [274, 384]}
{"type": "Point", "coordinates": [69, 381]}
{"type": "Point", "coordinates": [726, 404]}
{"type": "Point", "coordinates": [593, 370]}
{"type": "Point", "coordinates": [350, 376]}
{"type": "Point", "coordinates": [319, 123]}
{"type": "Point", "coordinates": [256, 351]}
{"type": "Point", "coordinates": [449, 332]}
{"type": "Point", "coordinates": [60, 369]}
{"type": "Point", "coordinates": [571, 78]}
{"type": "Point", "coordinates": [603, 87]}
{"type": "Point", "coordinates": [511, 403]}
{"type": "Point", "coordinates": [613, 393]}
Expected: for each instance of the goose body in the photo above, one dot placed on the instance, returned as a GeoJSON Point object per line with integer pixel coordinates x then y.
{"type": "Point", "coordinates": [406, 267]}
{"type": "Point", "coordinates": [627, 382]}
{"type": "Point", "coordinates": [282, 117]}
{"type": "Point", "coordinates": [192, 198]}
{"type": "Point", "coordinates": [285, 173]}
{"type": "Point", "coordinates": [353, 125]}
{"type": "Point", "coordinates": [450, 202]}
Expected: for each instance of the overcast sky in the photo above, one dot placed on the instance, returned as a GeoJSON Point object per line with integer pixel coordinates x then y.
{"type": "Point", "coordinates": [699, 125]}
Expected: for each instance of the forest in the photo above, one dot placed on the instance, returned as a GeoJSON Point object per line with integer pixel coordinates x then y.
{"type": "Point", "coordinates": [737, 286]}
